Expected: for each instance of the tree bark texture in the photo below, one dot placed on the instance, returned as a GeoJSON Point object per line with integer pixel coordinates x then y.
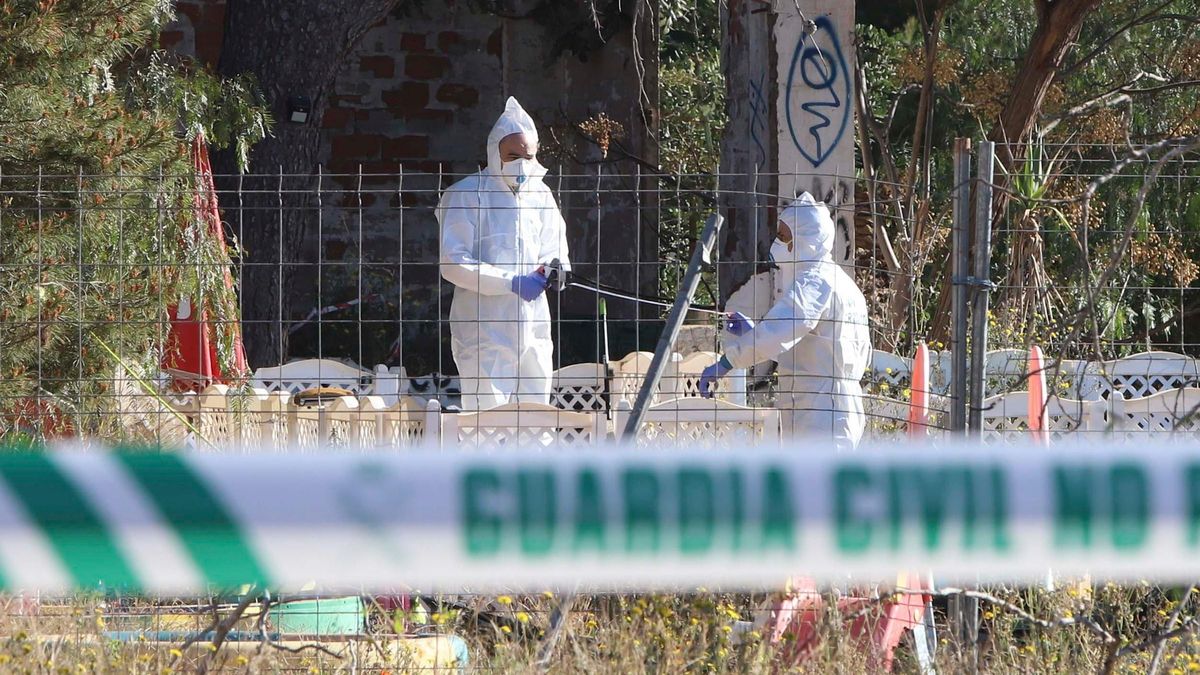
{"type": "Point", "coordinates": [1059, 22]}
{"type": "Point", "coordinates": [748, 177]}
{"type": "Point", "coordinates": [1058, 25]}
{"type": "Point", "coordinates": [293, 49]}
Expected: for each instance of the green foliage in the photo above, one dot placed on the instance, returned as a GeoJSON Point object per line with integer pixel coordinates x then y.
{"type": "Point", "coordinates": [691, 86]}
{"type": "Point", "coordinates": [692, 96]}
{"type": "Point", "coordinates": [1129, 78]}
{"type": "Point", "coordinates": [98, 234]}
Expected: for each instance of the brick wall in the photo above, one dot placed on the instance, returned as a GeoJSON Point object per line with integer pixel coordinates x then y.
{"type": "Point", "coordinates": [410, 113]}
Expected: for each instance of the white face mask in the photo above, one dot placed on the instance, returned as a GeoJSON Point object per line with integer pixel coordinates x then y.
{"type": "Point", "coordinates": [517, 172]}
{"type": "Point", "coordinates": [780, 253]}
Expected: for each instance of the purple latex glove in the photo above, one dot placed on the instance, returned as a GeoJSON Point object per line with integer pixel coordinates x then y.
{"type": "Point", "coordinates": [739, 324]}
{"type": "Point", "coordinates": [710, 375]}
{"type": "Point", "coordinates": [529, 286]}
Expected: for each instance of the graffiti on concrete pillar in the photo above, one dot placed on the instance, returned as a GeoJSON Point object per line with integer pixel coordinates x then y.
{"type": "Point", "coordinates": [838, 194]}
{"type": "Point", "coordinates": [758, 117]}
{"type": "Point", "coordinates": [817, 117]}
{"type": "Point", "coordinates": [815, 108]}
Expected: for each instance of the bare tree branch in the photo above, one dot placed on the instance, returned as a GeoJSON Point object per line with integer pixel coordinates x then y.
{"type": "Point", "coordinates": [1182, 84]}
{"type": "Point", "coordinates": [223, 629]}
{"type": "Point", "coordinates": [1152, 15]}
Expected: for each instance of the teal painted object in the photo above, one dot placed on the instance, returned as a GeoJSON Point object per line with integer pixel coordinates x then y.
{"type": "Point", "coordinates": [323, 616]}
{"type": "Point", "coordinates": [461, 655]}
{"type": "Point", "coordinates": [184, 636]}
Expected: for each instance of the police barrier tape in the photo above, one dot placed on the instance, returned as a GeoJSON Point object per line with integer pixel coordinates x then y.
{"type": "Point", "coordinates": [607, 519]}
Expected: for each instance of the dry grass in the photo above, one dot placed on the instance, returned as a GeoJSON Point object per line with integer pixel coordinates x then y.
{"type": "Point", "coordinates": [1076, 629]}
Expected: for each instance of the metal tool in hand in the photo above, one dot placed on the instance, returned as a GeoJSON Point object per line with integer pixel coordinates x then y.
{"type": "Point", "coordinates": [557, 278]}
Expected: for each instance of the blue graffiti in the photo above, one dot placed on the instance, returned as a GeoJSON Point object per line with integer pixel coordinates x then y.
{"type": "Point", "coordinates": [823, 71]}
{"type": "Point", "coordinates": [758, 116]}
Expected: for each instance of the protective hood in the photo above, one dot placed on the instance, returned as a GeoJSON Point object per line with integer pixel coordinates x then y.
{"type": "Point", "coordinates": [812, 231]}
{"type": "Point", "coordinates": [514, 120]}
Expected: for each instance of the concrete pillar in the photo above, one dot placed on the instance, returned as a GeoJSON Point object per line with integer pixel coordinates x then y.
{"type": "Point", "coordinates": [789, 82]}
{"type": "Point", "coordinates": [814, 51]}
{"type": "Point", "coordinates": [748, 149]}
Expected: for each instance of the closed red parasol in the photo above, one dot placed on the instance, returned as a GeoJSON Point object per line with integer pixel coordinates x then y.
{"type": "Point", "coordinates": [191, 355]}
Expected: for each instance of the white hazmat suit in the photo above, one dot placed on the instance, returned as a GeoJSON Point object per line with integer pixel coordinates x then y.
{"type": "Point", "coordinates": [817, 330]}
{"type": "Point", "coordinates": [492, 233]}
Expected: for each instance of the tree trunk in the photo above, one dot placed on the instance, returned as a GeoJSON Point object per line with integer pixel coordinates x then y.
{"type": "Point", "coordinates": [1058, 26]}
{"type": "Point", "coordinates": [295, 49]}
{"type": "Point", "coordinates": [748, 152]}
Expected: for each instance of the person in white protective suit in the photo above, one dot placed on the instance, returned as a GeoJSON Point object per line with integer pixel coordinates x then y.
{"type": "Point", "coordinates": [817, 331]}
{"type": "Point", "coordinates": [500, 230]}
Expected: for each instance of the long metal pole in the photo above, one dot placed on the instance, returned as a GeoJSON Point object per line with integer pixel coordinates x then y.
{"type": "Point", "coordinates": [961, 610]}
{"type": "Point", "coordinates": [700, 257]}
{"type": "Point", "coordinates": [958, 309]}
{"type": "Point", "coordinates": [984, 153]}
{"type": "Point", "coordinates": [691, 280]}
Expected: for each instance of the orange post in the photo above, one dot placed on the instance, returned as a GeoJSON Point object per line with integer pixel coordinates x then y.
{"type": "Point", "coordinates": [1039, 421]}
{"type": "Point", "coordinates": [918, 407]}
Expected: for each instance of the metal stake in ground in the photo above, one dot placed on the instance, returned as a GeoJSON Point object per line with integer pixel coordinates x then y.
{"type": "Point", "coordinates": [963, 611]}
{"type": "Point", "coordinates": [960, 247]}
{"type": "Point", "coordinates": [691, 281]}
{"type": "Point", "coordinates": [982, 286]}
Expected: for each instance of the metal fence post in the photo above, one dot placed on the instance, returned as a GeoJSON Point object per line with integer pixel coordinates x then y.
{"type": "Point", "coordinates": [960, 248]}
{"type": "Point", "coordinates": [984, 153]}
{"type": "Point", "coordinates": [963, 612]}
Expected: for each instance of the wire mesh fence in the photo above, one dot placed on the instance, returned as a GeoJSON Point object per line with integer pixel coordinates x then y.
{"type": "Point", "coordinates": [121, 296]}
{"type": "Point", "coordinates": [122, 310]}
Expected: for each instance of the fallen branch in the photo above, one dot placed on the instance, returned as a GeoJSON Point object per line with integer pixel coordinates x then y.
{"type": "Point", "coordinates": [223, 629]}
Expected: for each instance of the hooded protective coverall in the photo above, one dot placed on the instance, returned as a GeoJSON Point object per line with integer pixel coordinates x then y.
{"type": "Point", "coordinates": [490, 234]}
{"type": "Point", "coordinates": [817, 331]}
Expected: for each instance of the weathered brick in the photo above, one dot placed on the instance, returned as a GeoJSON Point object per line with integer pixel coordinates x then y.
{"type": "Point", "coordinates": [344, 99]}
{"type": "Point", "coordinates": [337, 118]}
{"type": "Point", "coordinates": [424, 166]}
{"type": "Point", "coordinates": [356, 198]}
{"type": "Point", "coordinates": [407, 199]}
{"type": "Point", "coordinates": [170, 38]}
{"type": "Point", "coordinates": [432, 115]}
{"type": "Point", "coordinates": [495, 42]}
{"type": "Point", "coordinates": [408, 98]}
{"type": "Point", "coordinates": [380, 168]}
{"type": "Point", "coordinates": [341, 172]}
{"type": "Point", "coordinates": [413, 42]}
{"type": "Point", "coordinates": [380, 65]}
{"type": "Point", "coordinates": [344, 171]}
{"type": "Point", "coordinates": [353, 86]}
{"type": "Point", "coordinates": [208, 45]}
{"type": "Point", "coordinates": [449, 42]}
{"type": "Point", "coordinates": [336, 249]}
{"type": "Point", "coordinates": [425, 66]}
{"type": "Point", "coordinates": [462, 95]}
{"type": "Point", "coordinates": [209, 26]}
{"type": "Point", "coordinates": [194, 11]}
{"type": "Point", "coordinates": [406, 147]}
{"type": "Point", "coordinates": [355, 145]}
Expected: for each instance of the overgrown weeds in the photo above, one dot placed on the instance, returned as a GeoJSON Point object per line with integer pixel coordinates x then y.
{"type": "Point", "coordinates": [1078, 628]}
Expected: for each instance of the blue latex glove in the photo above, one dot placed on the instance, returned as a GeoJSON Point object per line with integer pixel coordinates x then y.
{"type": "Point", "coordinates": [710, 375]}
{"type": "Point", "coordinates": [739, 324]}
{"type": "Point", "coordinates": [529, 286]}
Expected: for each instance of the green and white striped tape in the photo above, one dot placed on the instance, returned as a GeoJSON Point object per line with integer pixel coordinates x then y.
{"type": "Point", "coordinates": [611, 519]}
